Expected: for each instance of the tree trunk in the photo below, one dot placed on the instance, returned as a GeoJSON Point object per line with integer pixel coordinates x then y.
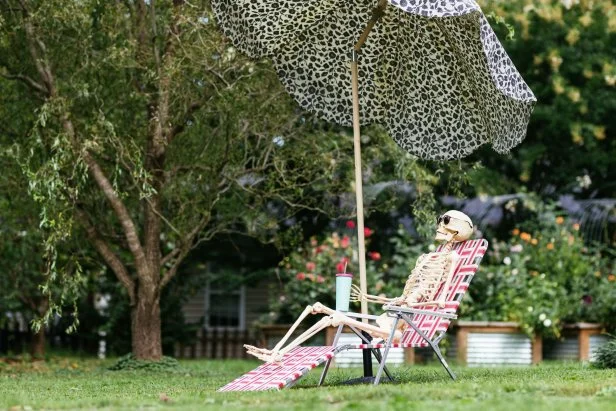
{"type": "Point", "coordinates": [145, 324]}
{"type": "Point", "coordinates": [37, 346]}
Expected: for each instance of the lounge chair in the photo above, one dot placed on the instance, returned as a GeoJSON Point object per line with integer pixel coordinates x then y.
{"type": "Point", "coordinates": [426, 327]}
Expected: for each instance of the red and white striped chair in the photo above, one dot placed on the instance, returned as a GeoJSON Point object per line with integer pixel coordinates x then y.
{"type": "Point", "coordinates": [426, 327]}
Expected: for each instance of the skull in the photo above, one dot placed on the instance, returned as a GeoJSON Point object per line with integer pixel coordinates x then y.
{"type": "Point", "coordinates": [454, 226]}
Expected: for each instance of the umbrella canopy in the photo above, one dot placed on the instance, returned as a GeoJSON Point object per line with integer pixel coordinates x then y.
{"type": "Point", "coordinates": [432, 71]}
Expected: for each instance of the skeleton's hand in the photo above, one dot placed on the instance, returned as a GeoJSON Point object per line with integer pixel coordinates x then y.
{"type": "Point", "coordinates": [397, 301]}
{"type": "Point", "coordinates": [356, 294]}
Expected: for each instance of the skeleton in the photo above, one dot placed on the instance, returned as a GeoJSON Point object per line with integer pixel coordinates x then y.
{"type": "Point", "coordinates": [431, 271]}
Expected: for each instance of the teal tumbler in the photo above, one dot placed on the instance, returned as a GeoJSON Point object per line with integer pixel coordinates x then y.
{"type": "Point", "coordinates": [343, 291]}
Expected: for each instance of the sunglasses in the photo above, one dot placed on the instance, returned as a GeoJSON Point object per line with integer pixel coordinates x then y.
{"type": "Point", "coordinates": [446, 219]}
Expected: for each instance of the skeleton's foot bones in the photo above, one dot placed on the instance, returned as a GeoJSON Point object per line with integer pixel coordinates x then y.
{"type": "Point", "coordinates": [263, 354]}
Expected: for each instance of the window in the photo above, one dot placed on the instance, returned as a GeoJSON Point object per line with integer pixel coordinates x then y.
{"type": "Point", "coordinates": [225, 308]}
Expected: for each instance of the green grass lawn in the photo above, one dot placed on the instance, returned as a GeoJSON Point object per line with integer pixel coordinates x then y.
{"type": "Point", "coordinates": [67, 383]}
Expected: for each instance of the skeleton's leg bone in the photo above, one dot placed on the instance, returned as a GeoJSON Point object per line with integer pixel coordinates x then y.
{"type": "Point", "coordinates": [309, 333]}
{"type": "Point", "coordinates": [263, 352]}
{"type": "Point", "coordinates": [308, 310]}
{"type": "Point", "coordinates": [340, 318]}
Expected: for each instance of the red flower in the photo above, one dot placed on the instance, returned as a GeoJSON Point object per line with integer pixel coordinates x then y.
{"type": "Point", "coordinates": [350, 224]}
{"type": "Point", "coordinates": [319, 249]}
{"type": "Point", "coordinates": [300, 276]}
{"type": "Point", "coordinates": [310, 266]}
{"type": "Point", "coordinates": [344, 243]}
{"type": "Point", "coordinates": [340, 267]}
{"type": "Point", "coordinates": [367, 232]}
{"type": "Point", "coordinates": [374, 255]}
{"type": "Point", "coordinates": [320, 279]}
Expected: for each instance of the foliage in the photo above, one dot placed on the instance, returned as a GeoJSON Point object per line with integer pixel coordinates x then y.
{"type": "Point", "coordinates": [605, 357]}
{"type": "Point", "coordinates": [307, 274]}
{"type": "Point", "coordinates": [542, 277]}
{"type": "Point", "coordinates": [137, 126]}
{"type": "Point", "coordinates": [130, 363]}
{"type": "Point", "coordinates": [564, 49]}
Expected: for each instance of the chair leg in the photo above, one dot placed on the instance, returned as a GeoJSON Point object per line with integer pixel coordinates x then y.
{"type": "Point", "coordinates": [379, 357]}
{"type": "Point", "coordinates": [438, 353]}
{"type": "Point", "coordinates": [434, 346]}
{"type": "Point", "coordinates": [328, 363]}
{"type": "Point", "coordinates": [387, 347]}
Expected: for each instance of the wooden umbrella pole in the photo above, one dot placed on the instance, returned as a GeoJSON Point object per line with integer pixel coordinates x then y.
{"type": "Point", "coordinates": [359, 192]}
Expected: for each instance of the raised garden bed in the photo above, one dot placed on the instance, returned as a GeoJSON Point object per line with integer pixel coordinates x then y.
{"type": "Point", "coordinates": [485, 343]}
{"type": "Point", "coordinates": [579, 342]}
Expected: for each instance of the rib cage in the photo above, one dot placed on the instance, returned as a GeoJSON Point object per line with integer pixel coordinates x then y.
{"type": "Point", "coordinates": [425, 280]}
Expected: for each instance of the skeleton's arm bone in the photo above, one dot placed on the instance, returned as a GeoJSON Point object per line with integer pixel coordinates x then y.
{"type": "Point", "coordinates": [357, 296]}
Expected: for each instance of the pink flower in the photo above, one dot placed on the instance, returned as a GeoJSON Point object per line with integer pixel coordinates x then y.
{"type": "Point", "coordinates": [344, 243]}
{"type": "Point", "coordinates": [320, 279]}
{"type": "Point", "coordinates": [300, 276]}
{"type": "Point", "coordinates": [374, 255]}
{"type": "Point", "coordinates": [350, 224]}
{"type": "Point", "coordinates": [340, 267]}
{"type": "Point", "coordinates": [367, 232]}
{"type": "Point", "coordinates": [310, 266]}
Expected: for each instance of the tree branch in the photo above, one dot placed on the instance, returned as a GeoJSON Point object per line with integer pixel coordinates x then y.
{"type": "Point", "coordinates": [111, 259]}
{"type": "Point", "coordinates": [130, 231]}
{"type": "Point", "coordinates": [184, 249]}
{"type": "Point", "coordinates": [29, 81]}
{"type": "Point", "coordinates": [188, 116]}
{"type": "Point", "coordinates": [36, 47]}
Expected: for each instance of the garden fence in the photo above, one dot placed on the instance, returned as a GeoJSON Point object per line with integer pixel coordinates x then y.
{"type": "Point", "coordinates": [217, 343]}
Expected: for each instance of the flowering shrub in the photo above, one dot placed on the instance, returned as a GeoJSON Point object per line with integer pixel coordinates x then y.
{"type": "Point", "coordinates": [543, 278]}
{"type": "Point", "coordinates": [308, 274]}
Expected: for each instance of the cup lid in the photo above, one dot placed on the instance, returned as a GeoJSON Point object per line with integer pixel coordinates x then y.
{"type": "Point", "coordinates": [350, 275]}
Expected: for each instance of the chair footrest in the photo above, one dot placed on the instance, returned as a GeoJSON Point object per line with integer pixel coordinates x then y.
{"type": "Point", "coordinates": [275, 376]}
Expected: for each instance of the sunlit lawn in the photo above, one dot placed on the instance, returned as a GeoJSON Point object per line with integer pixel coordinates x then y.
{"type": "Point", "coordinates": [68, 383]}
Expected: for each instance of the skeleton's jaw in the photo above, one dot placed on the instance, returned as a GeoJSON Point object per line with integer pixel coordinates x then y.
{"type": "Point", "coordinates": [444, 235]}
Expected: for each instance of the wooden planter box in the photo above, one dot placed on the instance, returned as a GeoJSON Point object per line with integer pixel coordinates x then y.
{"type": "Point", "coordinates": [474, 343]}
{"type": "Point", "coordinates": [487, 343]}
{"type": "Point", "coordinates": [579, 343]}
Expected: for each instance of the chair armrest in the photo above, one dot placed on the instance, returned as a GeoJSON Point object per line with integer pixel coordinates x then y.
{"type": "Point", "coordinates": [406, 310]}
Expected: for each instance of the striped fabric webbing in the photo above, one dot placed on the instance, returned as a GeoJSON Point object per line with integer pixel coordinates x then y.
{"type": "Point", "coordinates": [471, 252]}
{"type": "Point", "coordinates": [295, 364]}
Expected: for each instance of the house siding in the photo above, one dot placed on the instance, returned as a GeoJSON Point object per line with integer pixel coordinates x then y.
{"type": "Point", "coordinates": [256, 304]}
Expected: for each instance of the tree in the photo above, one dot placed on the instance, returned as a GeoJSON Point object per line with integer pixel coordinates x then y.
{"type": "Point", "coordinates": [565, 51]}
{"type": "Point", "coordinates": [141, 129]}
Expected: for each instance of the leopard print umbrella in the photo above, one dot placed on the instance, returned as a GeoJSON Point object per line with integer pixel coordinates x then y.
{"type": "Point", "coordinates": [432, 71]}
